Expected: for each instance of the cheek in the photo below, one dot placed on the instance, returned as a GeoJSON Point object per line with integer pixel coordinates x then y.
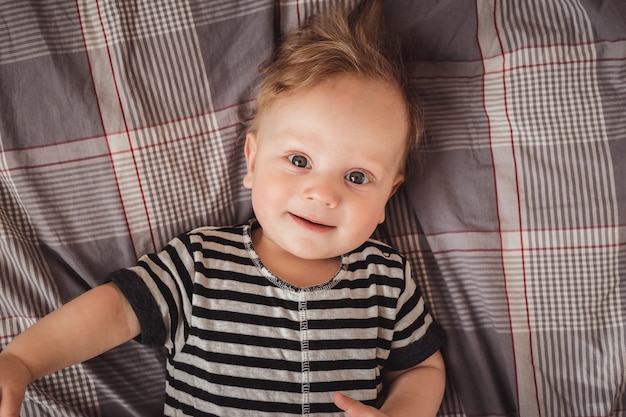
{"type": "Point", "coordinates": [368, 214]}
{"type": "Point", "coordinates": [270, 190]}
{"type": "Point", "coordinates": [268, 180]}
{"type": "Point", "coordinates": [360, 227]}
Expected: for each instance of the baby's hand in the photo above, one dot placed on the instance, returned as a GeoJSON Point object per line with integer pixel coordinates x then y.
{"type": "Point", "coordinates": [14, 378]}
{"type": "Point", "coordinates": [354, 408]}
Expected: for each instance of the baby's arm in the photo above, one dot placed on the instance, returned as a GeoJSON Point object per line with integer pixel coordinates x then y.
{"type": "Point", "coordinates": [85, 327]}
{"type": "Point", "coordinates": [418, 391]}
{"type": "Point", "coordinates": [415, 392]}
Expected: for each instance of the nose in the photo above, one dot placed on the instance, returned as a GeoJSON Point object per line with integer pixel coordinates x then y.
{"type": "Point", "coordinates": [322, 192]}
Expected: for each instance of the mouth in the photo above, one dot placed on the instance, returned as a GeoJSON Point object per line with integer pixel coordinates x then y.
{"type": "Point", "coordinates": [311, 224]}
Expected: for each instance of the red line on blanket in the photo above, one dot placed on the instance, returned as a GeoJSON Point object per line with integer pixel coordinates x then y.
{"type": "Point", "coordinates": [51, 164]}
{"type": "Point", "coordinates": [48, 145]}
{"type": "Point", "coordinates": [19, 316]}
{"type": "Point", "coordinates": [519, 214]}
{"type": "Point", "coordinates": [500, 250]}
{"type": "Point", "coordinates": [506, 289]}
{"type": "Point", "coordinates": [127, 131]}
{"type": "Point", "coordinates": [569, 45]}
{"type": "Point", "coordinates": [137, 129]}
{"type": "Point", "coordinates": [516, 68]}
{"type": "Point", "coordinates": [495, 186]}
{"type": "Point", "coordinates": [298, 12]}
{"type": "Point", "coordinates": [526, 250]}
{"type": "Point", "coordinates": [524, 230]}
{"type": "Point", "coordinates": [95, 91]}
{"type": "Point", "coordinates": [181, 139]}
{"type": "Point", "coordinates": [104, 155]}
{"type": "Point", "coordinates": [594, 42]}
{"type": "Point", "coordinates": [559, 63]}
{"type": "Point", "coordinates": [130, 144]}
{"type": "Point", "coordinates": [13, 317]}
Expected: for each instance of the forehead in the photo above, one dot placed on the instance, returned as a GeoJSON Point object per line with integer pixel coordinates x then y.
{"type": "Point", "coordinates": [364, 114]}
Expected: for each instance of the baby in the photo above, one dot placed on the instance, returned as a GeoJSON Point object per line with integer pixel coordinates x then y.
{"type": "Point", "coordinates": [297, 312]}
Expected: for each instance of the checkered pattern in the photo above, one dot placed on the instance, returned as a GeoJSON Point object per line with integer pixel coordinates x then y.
{"type": "Point", "coordinates": [521, 205]}
{"type": "Point", "coordinates": [120, 128]}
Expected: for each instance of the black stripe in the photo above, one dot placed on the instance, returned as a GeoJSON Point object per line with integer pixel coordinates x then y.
{"type": "Point", "coordinates": [242, 404]}
{"type": "Point", "coordinates": [169, 299]}
{"type": "Point", "coordinates": [235, 359]}
{"type": "Point", "coordinates": [236, 296]}
{"type": "Point", "coordinates": [245, 318]}
{"type": "Point", "coordinates": [368, 279]}
{"type": "Point", "coordinates": [247, 340]}
{"type": "Point", "coordinates": [344, 364]}
{"type": "Point", "coordinates": [219, 238]}
{"type": "Point", "coordinates": [349, 344]}
{"type": "Point", "coordinates": [219, 254]}
{"type": "Point", "coordinates": [345, 386]}
{"type": "Point", "coordinates": [367, 323]}
{"type": "Point", "coordinates": [357, 303]}
{"type": "Point", "coordinates": [263, 384]}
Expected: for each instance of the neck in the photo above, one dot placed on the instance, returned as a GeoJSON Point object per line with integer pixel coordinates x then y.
{"type": "Point", "coordinates": [299, 272]}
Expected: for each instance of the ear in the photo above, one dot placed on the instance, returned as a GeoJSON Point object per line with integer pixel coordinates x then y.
{"type": "Point", "coordinates": [397, 182]}
{"type": "Point", "coordinates": [250, 152]}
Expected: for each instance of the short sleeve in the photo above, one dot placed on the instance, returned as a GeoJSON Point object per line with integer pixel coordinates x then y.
{"type": "Point", "coordinates": [159, 289]}
{"type": "Point", "coordinates": [143, 304]}
{"type": "Point", "coordinates": [416, 335]}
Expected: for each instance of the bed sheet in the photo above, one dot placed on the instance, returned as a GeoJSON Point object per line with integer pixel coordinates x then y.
{"type": "Point", "coordinates": [120, 128]}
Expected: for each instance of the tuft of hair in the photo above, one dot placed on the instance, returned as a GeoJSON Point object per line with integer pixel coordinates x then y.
{"type": "Point", "coordinates": [342, 42]}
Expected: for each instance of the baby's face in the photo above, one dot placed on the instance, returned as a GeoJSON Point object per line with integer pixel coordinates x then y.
{"type": "Point", "coordinates": [323, 164]}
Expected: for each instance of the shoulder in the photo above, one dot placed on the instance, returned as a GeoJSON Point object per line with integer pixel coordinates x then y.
{"type": "Point", "coordinates": [379, 261]}
{"type": "Point", "coordinates": [215, 233]}
{"type": "Point", "coordinates": [208, 237]}
{"type": "Point", "coordinates": [375, 250]}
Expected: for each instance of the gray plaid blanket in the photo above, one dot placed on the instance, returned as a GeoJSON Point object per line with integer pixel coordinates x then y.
{"type": "Point", "coordinates": [119, 128]}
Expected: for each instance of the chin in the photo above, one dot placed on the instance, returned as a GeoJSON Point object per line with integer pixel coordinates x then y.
{"type": "Point", "coordinates": [311, 254]}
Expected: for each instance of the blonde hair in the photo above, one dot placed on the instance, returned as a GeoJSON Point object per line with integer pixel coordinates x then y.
{"type": "Point", "coordinates": [344, 42]}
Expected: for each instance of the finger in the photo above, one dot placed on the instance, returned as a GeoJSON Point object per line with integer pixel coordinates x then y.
{"type": "Point", "coordinates": [9, 405]}
{"type": "Point", "coordinates": [9, 409]}
{"type": "Point", "coordinates": [343, 401]}
{"type": "Point", "coordinates": [352, 407]}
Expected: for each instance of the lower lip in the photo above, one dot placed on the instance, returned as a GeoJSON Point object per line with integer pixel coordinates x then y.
{"type": "Point", "coordinates": [315, 227]}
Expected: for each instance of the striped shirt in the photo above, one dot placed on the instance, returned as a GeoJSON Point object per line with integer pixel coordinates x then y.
{"type": "Point", "coordinates": [241, 341]}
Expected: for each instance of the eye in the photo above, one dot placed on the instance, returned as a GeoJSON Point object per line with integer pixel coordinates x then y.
{"type": "Point", "coordinates": [357, 177]}
{"type": "Point", "coordinates": [299, 161]}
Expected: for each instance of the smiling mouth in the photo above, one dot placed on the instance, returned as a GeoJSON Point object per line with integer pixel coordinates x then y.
{"type": "Point", "coordinates": [311, 224]}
